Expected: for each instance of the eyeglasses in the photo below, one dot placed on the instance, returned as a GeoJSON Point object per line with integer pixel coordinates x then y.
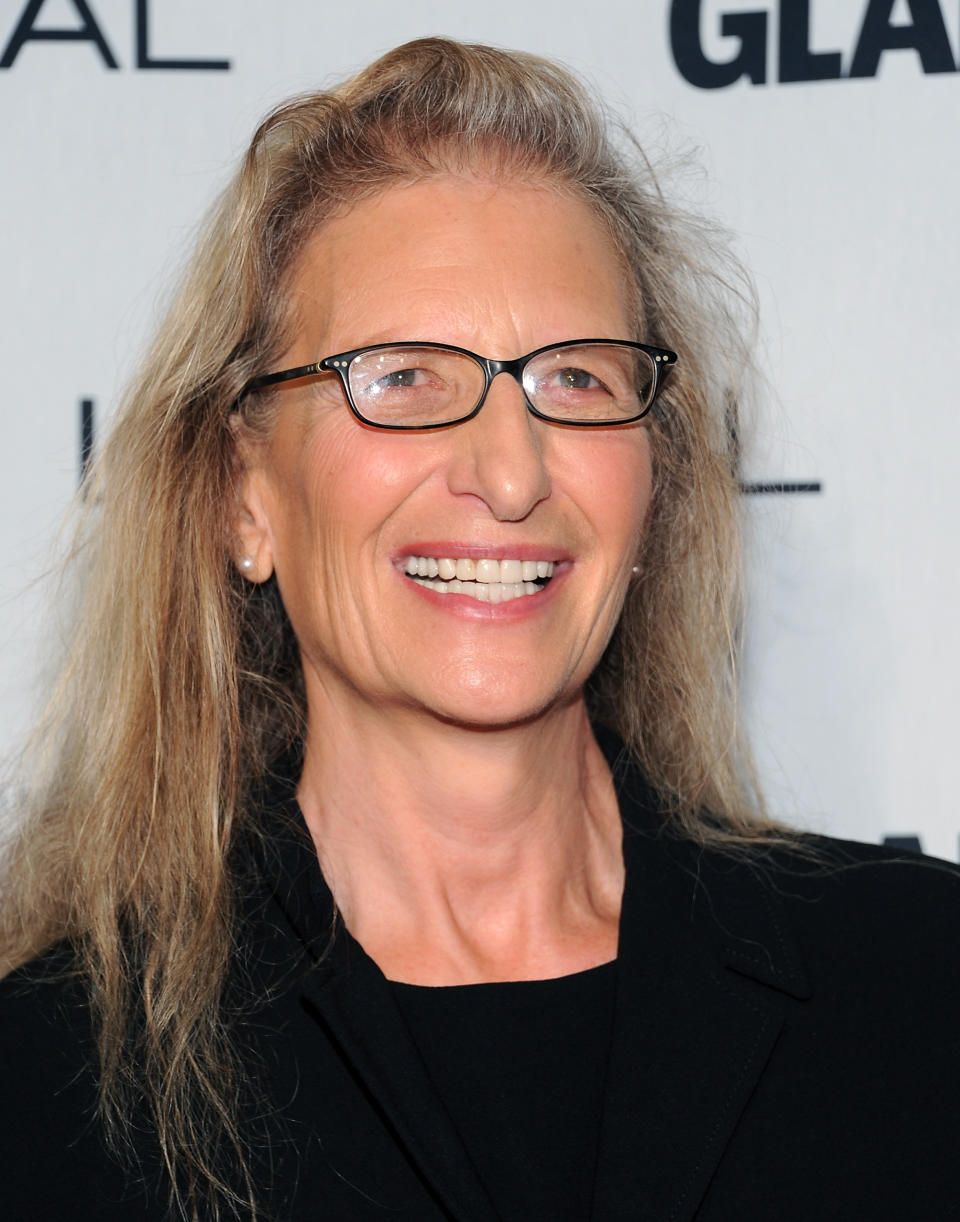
{"type": "Point", "coordinates": [582, 382]}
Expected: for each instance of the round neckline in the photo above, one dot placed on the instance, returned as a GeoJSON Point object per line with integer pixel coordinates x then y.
{"type": "Point", "coordinates": [584, 975]}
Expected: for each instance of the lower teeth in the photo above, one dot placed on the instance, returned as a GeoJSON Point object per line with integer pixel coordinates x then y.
{"type": "Point", "coordinates": [485, 592]}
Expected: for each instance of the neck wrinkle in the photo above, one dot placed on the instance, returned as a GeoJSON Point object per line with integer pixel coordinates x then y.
{"type": "Point", "coordinates": [462, 855]}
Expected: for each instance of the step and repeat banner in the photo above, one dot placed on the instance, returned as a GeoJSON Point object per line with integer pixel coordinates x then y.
{"type": "Point", "coordinates": [826, 140]}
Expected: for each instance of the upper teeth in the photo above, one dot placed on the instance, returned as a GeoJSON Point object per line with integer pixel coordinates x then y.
{"type": "Point", "coordinates": [484, 571]}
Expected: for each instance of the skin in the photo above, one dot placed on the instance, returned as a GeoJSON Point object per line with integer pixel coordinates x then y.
{"type": "Point", "coordinates": [463, 815]}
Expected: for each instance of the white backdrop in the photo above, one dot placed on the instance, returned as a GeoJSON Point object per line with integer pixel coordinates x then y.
{"type": "Point", "coordinates": [844, 190]}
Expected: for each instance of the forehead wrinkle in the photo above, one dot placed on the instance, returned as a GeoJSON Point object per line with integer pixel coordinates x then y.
{"type": "Point", "coordinates": [308, 308]}
{"type": "Point", "coordinates": [336, 312]}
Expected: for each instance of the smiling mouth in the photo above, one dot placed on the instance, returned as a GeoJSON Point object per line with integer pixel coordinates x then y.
{"type": "Point", "coordinates": [488, 581]}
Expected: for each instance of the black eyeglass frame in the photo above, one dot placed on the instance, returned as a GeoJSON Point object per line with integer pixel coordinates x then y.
{"type": "Point", "coordinates": [663, 359]}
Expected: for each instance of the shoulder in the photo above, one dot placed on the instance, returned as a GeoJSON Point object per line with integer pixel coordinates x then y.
{"type": "Point", "coordinates": [874, 899]}
{"type": "Point", "coordinates": [48, 1082]}
{"type": "Point", "coordinates": [54, 1159]}
{"type": "Point", "coordinates": [840, 899]}
{"type": "Point", "coordinates": [44, 1015]}
{"type": "Point", "coordinates": [823, 907]}
{"type": "Point", "coordinates": [45, 1031]}
{"type": "Point", "coordinates": [885, 919]}
{"type": "Point", "coordinates": [860, 924]}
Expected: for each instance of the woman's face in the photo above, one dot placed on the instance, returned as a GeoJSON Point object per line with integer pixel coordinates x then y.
{"type": "Point", "coordinates": [337, 508]}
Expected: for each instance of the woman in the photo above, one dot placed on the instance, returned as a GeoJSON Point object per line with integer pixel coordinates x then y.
{"type": "Point", "coordinates": [338, 900]}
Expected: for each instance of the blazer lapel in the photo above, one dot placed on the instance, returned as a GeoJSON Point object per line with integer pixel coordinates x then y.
{"type": "Point", "coordinates": [350, 998]}
{"type": "Point", "coordinates": [692, 1031]}
{"type": "Point", "coordinates": [359, 1011]}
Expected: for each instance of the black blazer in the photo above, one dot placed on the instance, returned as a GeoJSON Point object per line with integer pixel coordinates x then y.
{"type": "Point", "coordinates": [786, 1047]}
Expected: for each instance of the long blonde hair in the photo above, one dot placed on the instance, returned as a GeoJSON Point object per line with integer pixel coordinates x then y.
{"type": "Point", "coordinates": [183, 682]}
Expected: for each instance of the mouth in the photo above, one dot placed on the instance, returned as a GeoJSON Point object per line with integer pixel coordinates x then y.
{"type": "Point", "coordinates": [488, 581]}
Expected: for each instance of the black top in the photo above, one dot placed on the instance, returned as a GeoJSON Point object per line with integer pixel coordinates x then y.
{"type": "Point", "coordinates": [785, 1045]}
{"type": "Point", "coordinates": [520, 1068]}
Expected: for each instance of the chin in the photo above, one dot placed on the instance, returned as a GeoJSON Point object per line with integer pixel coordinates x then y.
{"type": "Point", "coordinates": [483, 710]}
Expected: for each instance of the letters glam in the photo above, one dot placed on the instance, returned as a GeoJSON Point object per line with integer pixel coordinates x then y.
{"type": "Point", "coordinates": [925, 33]}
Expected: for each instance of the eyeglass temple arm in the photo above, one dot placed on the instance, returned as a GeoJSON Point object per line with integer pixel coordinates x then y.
{"type": "Point", "coordinates": [288, 375]}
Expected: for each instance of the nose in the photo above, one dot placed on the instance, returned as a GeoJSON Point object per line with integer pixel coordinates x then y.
{"type": "Point", "coordinates": [499, 454]}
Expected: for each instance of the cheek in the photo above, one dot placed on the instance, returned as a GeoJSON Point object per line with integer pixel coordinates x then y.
{"type": "Point", "coordinates": [334, 486]}
{"type": "Point", "coordinates": [613, 480]}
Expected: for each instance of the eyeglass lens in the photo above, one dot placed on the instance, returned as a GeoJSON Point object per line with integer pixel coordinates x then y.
{"type": "Point", "coordinates": [411, 386]}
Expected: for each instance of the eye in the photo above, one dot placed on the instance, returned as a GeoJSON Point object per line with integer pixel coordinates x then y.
{"type": "Point", "coordinates": [408, 386]}
{"type": "Point", "coordinates": [384, 373]}
{"type": "Point", "coordinates": [560, 384]}
{"type": "Point", "coordinates": [572, 378]}
{"type": "Point", "coordinates": [399, 378]}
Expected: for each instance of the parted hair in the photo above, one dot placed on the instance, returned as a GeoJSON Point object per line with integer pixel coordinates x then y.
{"type": "Point", "coordinates": [182, 681]}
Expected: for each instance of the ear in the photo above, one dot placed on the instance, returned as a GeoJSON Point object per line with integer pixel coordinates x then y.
{"type": "Point", "coordinates": [253, 539]}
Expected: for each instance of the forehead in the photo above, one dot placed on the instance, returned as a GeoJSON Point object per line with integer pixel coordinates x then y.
{"type": "Point", "coordinates": [451, 248]}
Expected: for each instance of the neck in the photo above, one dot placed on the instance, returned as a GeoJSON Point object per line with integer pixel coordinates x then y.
{"type": "Point", "coordinates": [458, 854]}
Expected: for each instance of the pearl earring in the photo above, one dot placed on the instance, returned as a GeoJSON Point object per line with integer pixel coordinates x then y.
{"type": "Point", "coordinates": [245, 565]}
{"type": "Point", "coordinates": [635, 570]}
